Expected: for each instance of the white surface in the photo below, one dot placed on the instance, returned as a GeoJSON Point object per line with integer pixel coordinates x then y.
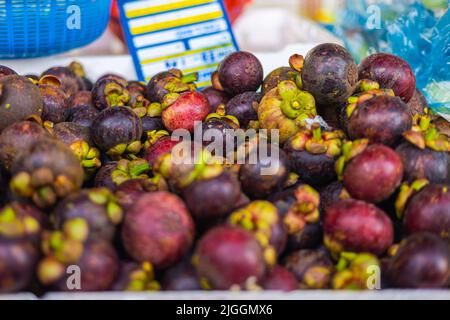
{"type": "Point", "coordinates": [97, 66]}
{"type": "Point", "coordinates": [266, 295]}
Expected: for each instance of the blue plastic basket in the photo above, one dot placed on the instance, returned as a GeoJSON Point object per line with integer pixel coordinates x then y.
{"type": "Point", "coordinates": [33, 28]}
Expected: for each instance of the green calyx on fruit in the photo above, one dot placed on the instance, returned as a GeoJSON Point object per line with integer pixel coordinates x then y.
{"type": "Point", "coordinates": [49, 80]}
{"type": "Point", "coordinates": [203, 169]}
{"type": "Point", "coordinates": [116, 95]}
{"type": "Point", "coordinates": [42, 186]}
{"type": "Point", "coordinates": [143, 279]}
{"type": "Point", "coordinates": [365, 90]}
{"type": "Point", "coordinates": [291, 180]}
{"type": "Point", "coordinates": [154, 110]}
{"type": "Point", "coordinates": [304, 210]}
{"type": "Point", "coordinates": [130, 169]}
{"type": "Point", "coordinates": [131, 148]}
{"type": "Point", "coordinates": [104, 197]}
{"type": "Point", "coordinates": [62, 248]}
{"type": "Point", "coordinates": [181, 83]}
{"type": "Point", "coordinates": [153, 136]}
{"type": "Point", "coordinates": [424, 134]}
{"type": "Point", "coordinates": [296, 62]}
{"type": "Point", "coordinates": [350, 149]}
{"type": "Point", "coordinates": [169, 99]}
{"type": "Point", "coordinates": [287, 109]}
{"type": "Point", "coordinates": [354, 271]}
{"type": "Point", "coordinates": [12, 226]}
{"type": "Point", "coordinates": [406, 192]}
{"type": "Point", "coordinates": [216, 82]}
{"type": "Point", "coordinates": [296, 104]}
{"type": "Point", "coordinates": [77, 68]}
{"type": "Point", "coordinates": [259, 218]}
{"type": "Point", "coordinates": [89, 156]}
{"type": "Point", "coordinates": [181, 170]}
{"type": "Point", "coordinates": [315, 141]}
{"type": "Point", "coordinates": [221, 114]}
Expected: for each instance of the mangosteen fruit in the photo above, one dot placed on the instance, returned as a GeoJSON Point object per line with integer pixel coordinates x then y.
{"type": "Point", "coordinates": [19, 99]}
{"type": "Point", "coordinates": [391, 72]}
{"type": "Point", "coordinates": [228, 257]}
{"type": "Point", "coordinates": [422, 261]}
{"type": "Point", "coordinates": [182, 111]}
{"type": "Point", "coordinates": [117, 131]}
{"type": "Point", "coordinates": [158, 228]}
{"type": "Point", "coordinates": [239, 72]}
{"type": "Point", "coordinates": [244, 107]}
{"type": "Point", "coordinates": [46, 171]}
{"type": "Point", "coordinates": [330, 74]}
{"type": "Point", "coordinates": [357, 226]}
{"type": "Point", "coordinates": [286, 108]}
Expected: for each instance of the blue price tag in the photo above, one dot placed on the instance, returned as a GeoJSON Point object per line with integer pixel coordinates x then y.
{"type": "Point", "coordinates": [190, 35]}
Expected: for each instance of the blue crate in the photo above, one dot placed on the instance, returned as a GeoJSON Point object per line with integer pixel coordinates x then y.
{"type": "Point", "coordinates": [33, 28]}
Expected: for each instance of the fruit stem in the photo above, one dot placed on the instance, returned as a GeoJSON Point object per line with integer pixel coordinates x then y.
{"type": "Point", "coordinates": [136, 171]}
{"type": "Point", "coordinates": [188, 78]}
{"type": "Point", "coordinates": [317, 132]}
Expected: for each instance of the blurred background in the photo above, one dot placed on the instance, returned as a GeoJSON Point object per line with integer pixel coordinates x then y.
{"type": "Point", "coordinates": [416, 30]}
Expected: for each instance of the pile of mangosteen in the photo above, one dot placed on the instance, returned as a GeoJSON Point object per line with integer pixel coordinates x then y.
{"type": "Point", "coordinates": [359, 180]}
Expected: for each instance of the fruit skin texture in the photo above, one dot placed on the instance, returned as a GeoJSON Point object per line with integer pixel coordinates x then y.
{"type": "Point", "coordinates": [418, 103]}
{"type": "Point", "coordinates": [227, 256]}
{"type": "Point", "coordinates": [63, 172]}
{"type": "Point", "coordinates": [19, 98]}
{"type": "Point", "coordinates": [429, 210]}
{"type": "Point", "coordinates": [161, 146]}
{"type": "Point", "coordinates": [212, 198]}
{"type": "Point", "coordinates": [103, 177]}
{"type": "Point", "coordinates": [187, 109]}
{"type": "Point", "coordinates": [181, 277]}
{"type": "Point", "coordinates": [331, 194]}
{"type": "Point", "coordinates": [150, 124]}
{"type": "Point", "coordinates": [357, 226]}
{"type": "Point", "coordinates": [158, 228]}
{"type": "Point", "coordinates": [215, 97]}
{"type": "Point", "coordinates": [68, 79]}
{"type": "Point", "coordinates": [391, 72]}
{"type": "Point", "coordinates": [83, 205]}
{"type": "Point", "coordinates": [312, 268]}
{"type": "Point", "coordinates": [314, 169]}
{"type": "Point", "coordinates": [83, 115]}
{"type": "Point", "coordinates": [381, 119]}
{"type": "Point", "coordinates": [329, 74]}
{"type": "Point", "coordinates": [16, 137]}
{"type": "Point", "coordinates": [99, 267]}
{"type": "Point", "coordinates": [129, 191]}
{"type": "Point", "coordinates": [422, 261]}
{"type": "Point", "coordinates": [374, 174]}
{"type": "Point", "coordinates": [240, 72]}
{"type": "Point", "coordinates": [257, 185]}
{"type": "Point", "coordinates": [242, 106]}
{"type": "Point", "coordinates": [55, 104]}
{"type": "Point", "coordinates": [424, 163]}
{"type": "Point", "coordinates": [278, 75]}
{"type": "Point", "coordinates": [114, 126]}
{"type": "Point", "coordinates": [18, 259]}
{"type": "Point", "coordinates": [6, 71]}
{"type": "Point", "coordinates": [280, 279]}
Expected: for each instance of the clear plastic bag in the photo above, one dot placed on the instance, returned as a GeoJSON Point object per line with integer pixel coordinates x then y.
{"type": "Point", "coordinates": [417, 31]}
